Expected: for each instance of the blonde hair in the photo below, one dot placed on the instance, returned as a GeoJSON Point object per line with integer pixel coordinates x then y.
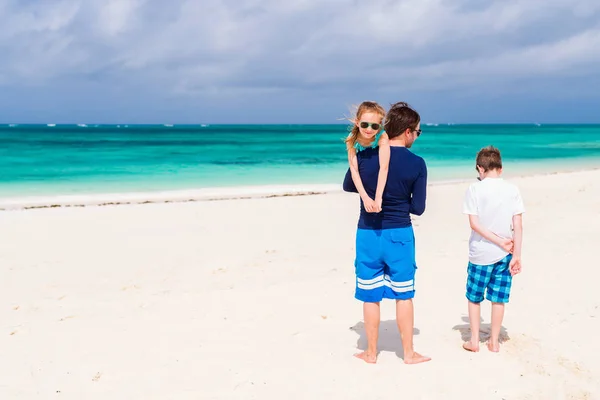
{"type": "Point", "coordinates": [364, 107]}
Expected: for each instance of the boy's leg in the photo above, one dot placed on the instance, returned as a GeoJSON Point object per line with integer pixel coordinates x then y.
{"type": "Point", "coordinates": [371, 313]}
{"type": "Point", "coordinates": [498, 293]}
{"type": "Point", "coordinates": [478, 277]}
{"type": "Point", "coordinates": [474, 317]}
{"type": "Point", "coordinates": [497, 316]}
{"type": "Point", "coordinates": [370, 286]}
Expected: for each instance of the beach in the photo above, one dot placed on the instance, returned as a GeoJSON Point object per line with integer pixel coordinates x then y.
{"type": "Point", "coordinates": [253, 299]}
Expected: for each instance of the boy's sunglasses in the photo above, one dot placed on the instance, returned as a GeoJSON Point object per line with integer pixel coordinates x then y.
{"type": "Point", "coordinates": [418, 132]}
{"type": "Point", "coordinates": [373, 126]}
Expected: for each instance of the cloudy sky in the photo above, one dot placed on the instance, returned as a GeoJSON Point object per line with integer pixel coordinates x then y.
{"type": "Point", "coordinates": [298, 61]}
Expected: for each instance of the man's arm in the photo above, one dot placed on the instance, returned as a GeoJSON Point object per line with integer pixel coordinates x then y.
{"type": "Point", "coordinates": [419, 195]}
{"type": "Point", "coordinates": [348, 185]}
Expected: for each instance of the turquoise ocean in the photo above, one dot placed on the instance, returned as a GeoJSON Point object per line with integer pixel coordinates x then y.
{"type": "Point", "coordinates": [39, 160]}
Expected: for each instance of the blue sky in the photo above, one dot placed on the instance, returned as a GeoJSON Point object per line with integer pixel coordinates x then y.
{"type": "Point", "coordinates": [298, 61]}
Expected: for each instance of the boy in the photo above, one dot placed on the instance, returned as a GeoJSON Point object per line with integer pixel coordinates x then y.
{"type": "Point", "coordinates": [495, 211]}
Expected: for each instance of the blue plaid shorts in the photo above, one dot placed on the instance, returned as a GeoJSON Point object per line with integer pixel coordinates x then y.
{"type": "Point", "coordinates": [494, 279]}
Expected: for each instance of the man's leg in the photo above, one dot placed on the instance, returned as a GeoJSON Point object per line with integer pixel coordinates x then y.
{"type": "Point", "coordinates": [405, 319]}
{"type": "Point", "coordinates": [371, 313]}
{"type": "Point", "coordinates": [370, 286]}
{"type": "Point", "coordinates": [399, 256]}
{"type": "Point", "coordinates": [474, 317]}
{"type": "Point", "coordinates": [497, 316]}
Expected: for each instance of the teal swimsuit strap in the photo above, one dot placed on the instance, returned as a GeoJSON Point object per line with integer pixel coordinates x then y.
{"type": "Point", "coordinates": [359, 147]}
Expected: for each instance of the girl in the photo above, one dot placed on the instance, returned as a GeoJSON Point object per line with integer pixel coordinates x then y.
{"type": "Point", "coordinates": [366, 132]}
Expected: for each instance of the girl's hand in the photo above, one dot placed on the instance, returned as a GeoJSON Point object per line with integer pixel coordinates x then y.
{"type": "Point", "coordinates": [378, 202]}
{"type": "Point", "coordinates": [369, 204]}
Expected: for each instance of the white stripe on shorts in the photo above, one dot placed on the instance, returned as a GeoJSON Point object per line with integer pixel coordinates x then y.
{"type": "Point", "coordinates": [399, 284]}
{"type": "Point", "coordinates": [379, 278]}
{"type": "Point", "coordinates": [400, 289]}
{"type": "Point", "coordinates": [373, 286]}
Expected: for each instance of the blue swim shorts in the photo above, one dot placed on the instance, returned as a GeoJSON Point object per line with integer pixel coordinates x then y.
{"type": "Point", "coordinates": [494, 279]}
{"type": "Point", "coordinates": [385, 264]}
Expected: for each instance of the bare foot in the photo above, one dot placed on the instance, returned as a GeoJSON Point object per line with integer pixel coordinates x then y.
{"type": "Point", "coordinates": [416, 358]}
{"type": "Point", "coordinates": [366, 357]}
{"type": "Point", "coordinates": [493, 347]}
{"type": "Point", "coordinates": [471, 347]}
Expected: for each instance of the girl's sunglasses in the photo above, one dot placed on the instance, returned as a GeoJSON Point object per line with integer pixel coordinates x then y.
{"type": "Point", "coordinates": [373, 126]}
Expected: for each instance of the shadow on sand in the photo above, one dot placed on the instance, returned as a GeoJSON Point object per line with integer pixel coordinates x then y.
{"type": "Point", "coordinates": [484, 331]}
{"type": "Point", "coordinates": [389, 337]}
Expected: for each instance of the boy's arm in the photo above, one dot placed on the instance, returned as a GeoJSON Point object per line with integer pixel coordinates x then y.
{"type": "Point", "coordinates": [517, 222]}
{"type": "Point", "coordinates": [384, 164]}
{"type": "Point", "coordinates": [419, 195]}
{"type": "Point", "coordinates": [515, 263]}
{"type": "Point", "coordinates": [471, 208]}
{"type": "Point", "coordinates": [505, 243]}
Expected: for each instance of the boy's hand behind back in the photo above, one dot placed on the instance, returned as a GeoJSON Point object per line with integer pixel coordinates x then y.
{"type": "Point", "coordinates": [507, 245]}
{"type": "Point", "coordinates": [515, 266]}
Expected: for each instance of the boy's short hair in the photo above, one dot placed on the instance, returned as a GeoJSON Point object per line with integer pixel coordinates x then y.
{"type": "Point", "coordinates": [489, 159]}
{"type": "Point", "coordinates": [399, 118]}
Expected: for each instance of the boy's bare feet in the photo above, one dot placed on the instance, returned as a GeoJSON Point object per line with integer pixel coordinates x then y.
{"type": "Point", "coordinates": [471, 347]}
{"type": "Point", "coordinates": [493, 347]}
{"type": "Point", "coordinates": [415, 358]}
{"type": "Point", "coordinates": [366, 357]}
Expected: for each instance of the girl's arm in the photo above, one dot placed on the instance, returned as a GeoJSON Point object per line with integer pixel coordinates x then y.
{"type": "Point", "coordinates": [353, 161]}
{"type": "Point", "coordinates": [384, 164]}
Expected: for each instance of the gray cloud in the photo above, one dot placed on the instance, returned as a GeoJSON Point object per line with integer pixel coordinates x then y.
{"type": "Point", "coordinates": [227, 48]}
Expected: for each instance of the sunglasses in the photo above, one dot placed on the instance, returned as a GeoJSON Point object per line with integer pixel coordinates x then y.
{"type": "Point", "coordinates": [374, 126]}
{"type": "Point", "coordinates": [418, 132]}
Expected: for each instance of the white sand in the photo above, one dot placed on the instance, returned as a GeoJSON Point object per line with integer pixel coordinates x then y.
{"type": "Point", "coordinates": [246, 299]}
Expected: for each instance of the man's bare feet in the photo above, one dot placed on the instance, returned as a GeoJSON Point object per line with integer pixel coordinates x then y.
{"type": "Point", "coordinates": [416, 358]}
{"type": "Point", "coordinates": [495, 348]}
{"type": "Point", "coordinates": [366, 357]}
{"type": "Point", "coordinates": [471, 347]}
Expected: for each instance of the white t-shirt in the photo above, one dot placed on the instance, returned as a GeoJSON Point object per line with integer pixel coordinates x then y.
{"type": "Point", "coordinates": [495, 201]}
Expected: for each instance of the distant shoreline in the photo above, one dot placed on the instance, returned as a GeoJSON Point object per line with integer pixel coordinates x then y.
{"type": "Point", "coordinates": [212, 194]}
{"type": "Point", "coordinates": [174, 124]}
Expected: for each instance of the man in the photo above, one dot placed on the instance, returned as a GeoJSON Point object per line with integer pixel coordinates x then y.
{"type": "Point", "coordinates": [385, 247]}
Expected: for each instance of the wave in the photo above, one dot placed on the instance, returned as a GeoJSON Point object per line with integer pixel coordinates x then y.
{"type": "Point", "coordinates": [187, 195]}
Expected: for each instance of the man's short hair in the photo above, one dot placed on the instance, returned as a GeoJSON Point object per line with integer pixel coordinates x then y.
{"type": "Point", "coordinates": [399, 118]}
{"type": "Point", "coordinates": [489, 159]}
